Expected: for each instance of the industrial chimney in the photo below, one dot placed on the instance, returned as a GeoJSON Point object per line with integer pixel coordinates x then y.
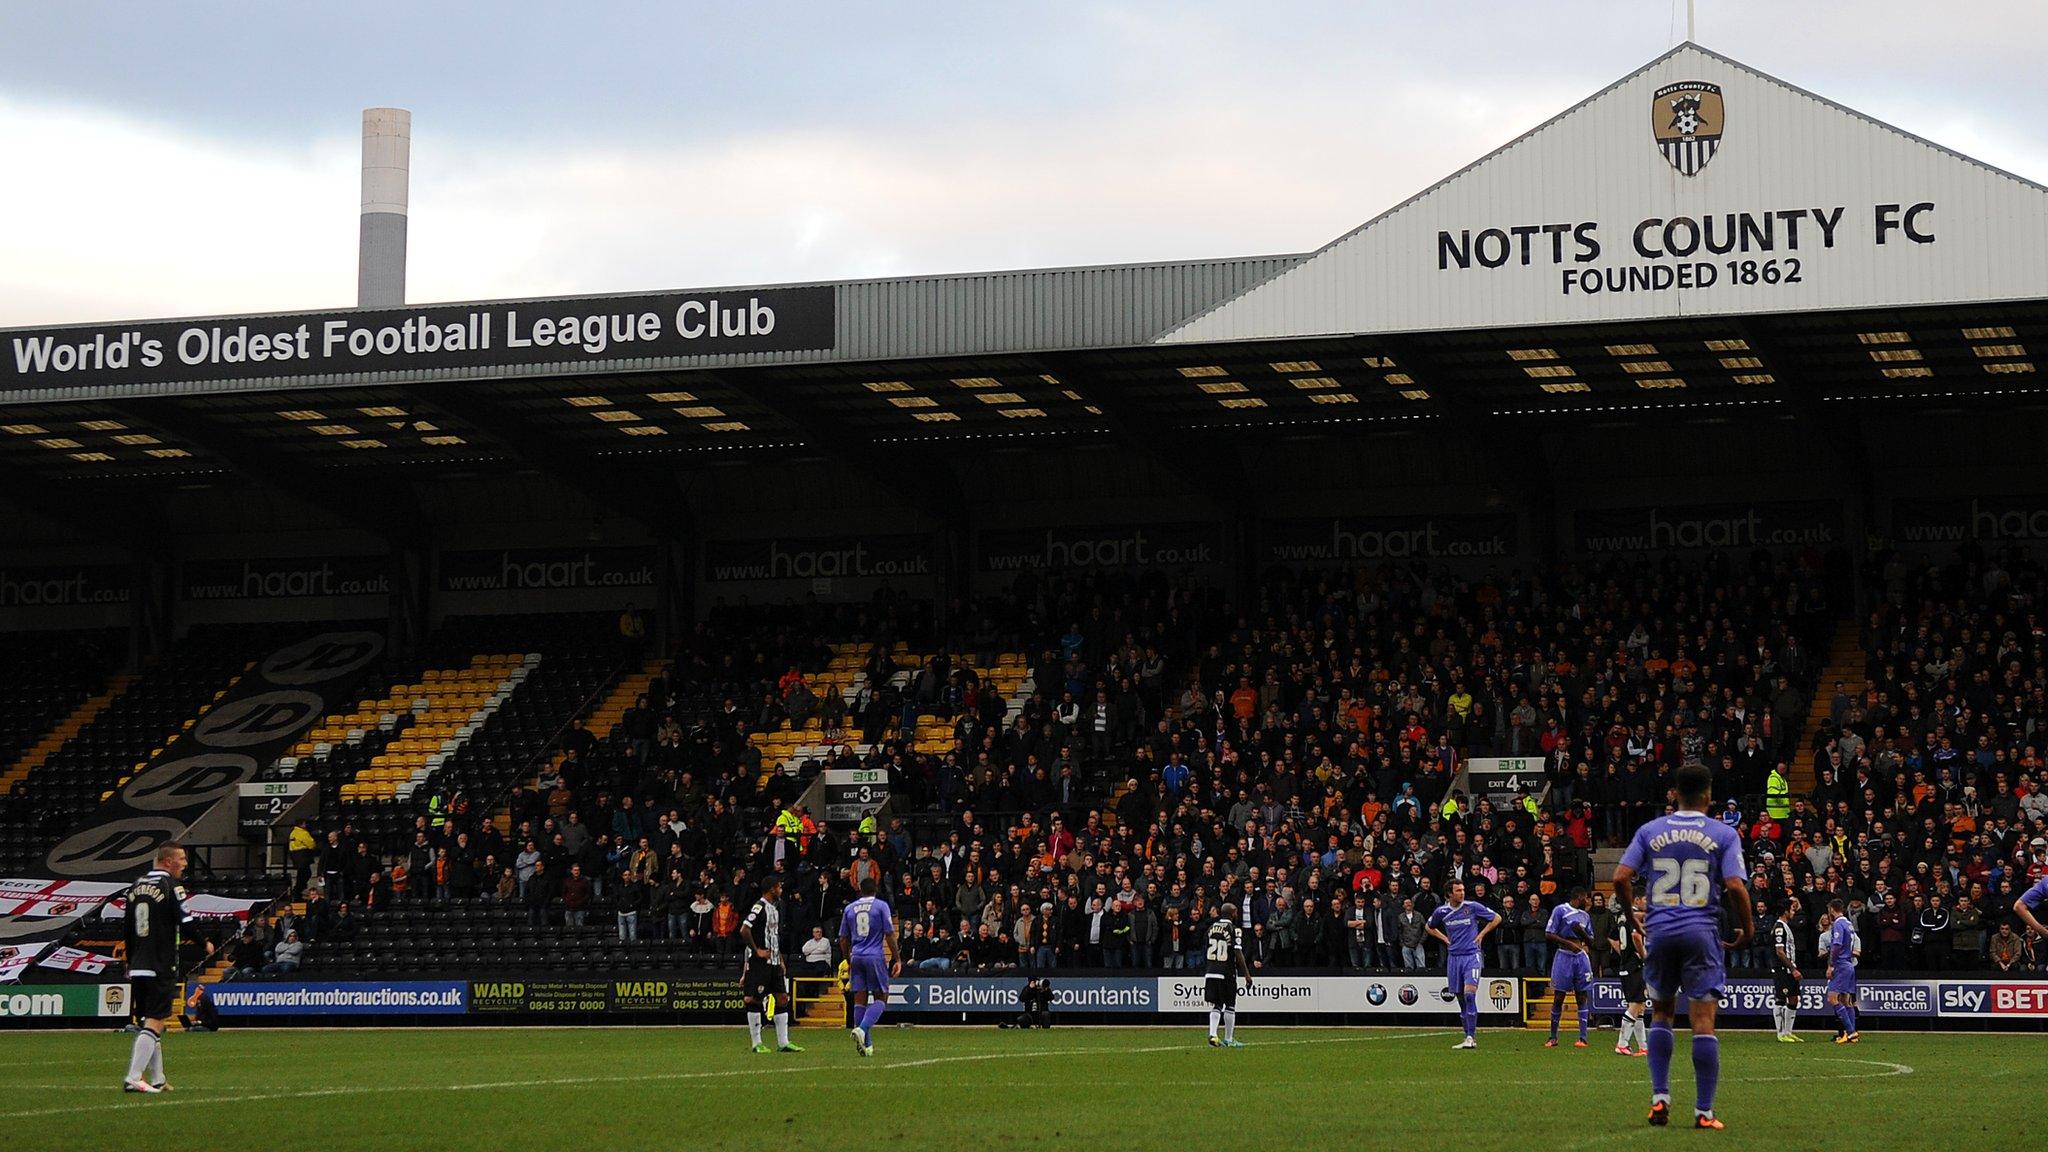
{"type": "Point", "coordinates": [387, 166]}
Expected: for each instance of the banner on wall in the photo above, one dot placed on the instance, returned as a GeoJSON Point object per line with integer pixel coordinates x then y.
{"type": "Point", "coordinates": [561, 331]}
{"type": "Point", "coordinates": [1377, 539]}
{"type": "Point", "coordinates": [1988, 520]}
{"type": "Point", "coordinates": [818, 558]}
{"type": "Point", "coordinates": [547, 569]}
{"type": "Point", "coordinates": [283, 578]}
{"type": "Point", "coordinates": [198, 905]}
{"type": "Point", "coordinates": [77, 960]}
{"type": "Point", "coordinates": [15, 957]}
{"type": "Point", "coordinates": [1101, 546]}
{"type": "Point", "coordinates": [254, 722]}
{"type": "Point", "coordinates": [65, 585]}
{"type": "Point", "coordinates": [1709, 527]}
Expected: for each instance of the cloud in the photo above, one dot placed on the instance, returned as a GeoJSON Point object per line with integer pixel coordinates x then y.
{"type": "Point", "coordinates": [134, 220]}
{"type": "Point", "coordinates": [114, 218]}
{"type": "Point", "coordinates": [128, 217]}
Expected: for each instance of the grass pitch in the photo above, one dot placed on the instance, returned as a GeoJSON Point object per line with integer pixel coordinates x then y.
{"type": "Point", "coordinates": [976, 1088]}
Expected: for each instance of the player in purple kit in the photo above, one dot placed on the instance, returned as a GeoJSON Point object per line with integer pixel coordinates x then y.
{"type": "Point", "coordinates": [1843, 952]}
{"type": "Point", "coordinates": [1570, 931]}
{"type": "Point", "coordinates": [867, 937]}
{"type": "Point", "coordinates": [1463, 926]}
{"type": "Point", "coordinates": [1690, 858]}
{"type": "Point", "coordinates": [2030, 902]}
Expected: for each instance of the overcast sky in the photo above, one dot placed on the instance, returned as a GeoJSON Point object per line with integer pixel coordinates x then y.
{"type": "Point", "coordinates": [166, 159]}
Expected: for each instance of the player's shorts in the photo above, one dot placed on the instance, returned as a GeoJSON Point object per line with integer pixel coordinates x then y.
{"type": "Point", "coordinates": [1571, 972]}
{"type": "Point", "coordinates": [869, 974]}
{"type": "Point", "coordinates": [153, 997]}
{"type": "Point", "coordinates": [1462, 971]}
{"type": "Point", "coordinates": [1687, 962]}
{"type": "Point", "coordinates": [1784, 989]}
{"type": "Point", "coordinates": [759, 980]}
{"type": "Point", "coordinates": [1843, 982]}
{"type": "Point", "coordinates": [1220, 991]}
{"type": "Point", "coordinates": [1632, 990]}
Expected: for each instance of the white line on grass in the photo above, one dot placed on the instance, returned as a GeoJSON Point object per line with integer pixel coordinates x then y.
{"type": "Point", "coordinates": [182, 1097]}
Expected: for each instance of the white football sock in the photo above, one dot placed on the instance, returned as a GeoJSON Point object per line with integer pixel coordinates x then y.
{"type": "Point", "coordinates": [156, 1062]}
{"type": "Point", "coordinates": [139, 1055]}
{"type": "Point", "coordinates": [782, 1029]}
{"type": "Point", "coordinates": [1215, 1020]}
{"type": "Point", "coordinates": [1229, 1024]}
{"type": "Point", "coordinates": [754, 1027]}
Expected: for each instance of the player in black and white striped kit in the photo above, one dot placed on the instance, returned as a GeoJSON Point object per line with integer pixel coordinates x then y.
{"type": "Point", "coordinates": [1628, 967]}
{"type": "Point", "coordinates": [1223, 958]}
{"type": "Point", "coordinates": [764, 978]}
{"type": "Point", "coordinates": [1785, 976]}
{"type": "Point", "coordinates": [156, 910]}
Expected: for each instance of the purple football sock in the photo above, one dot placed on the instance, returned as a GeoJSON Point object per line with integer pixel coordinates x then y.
{"type": "Point", "coordinates": [1661, 1044]}
{"type": "Point", "coordinates": [1706, 1069]}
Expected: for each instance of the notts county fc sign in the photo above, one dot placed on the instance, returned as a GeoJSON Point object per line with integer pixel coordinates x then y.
{"type": "Point", "coordinates": [1687, 118]}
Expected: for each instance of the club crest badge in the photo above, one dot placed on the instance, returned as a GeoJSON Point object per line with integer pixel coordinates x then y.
{"type": "Point", "coordinates": [1687, 119]}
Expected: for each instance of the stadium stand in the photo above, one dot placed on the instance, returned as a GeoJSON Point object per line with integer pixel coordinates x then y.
{"type": "Point", "coordinates": [49, 694]}
{"type": "Point", "coordinates": [526, 797]}
{"type": "Point", "coordinates": [162, 701]}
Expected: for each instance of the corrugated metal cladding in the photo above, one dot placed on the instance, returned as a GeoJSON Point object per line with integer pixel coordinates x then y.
{"type": "Point", "coordinates": [1043, 310]}
{"type": "Point", "coordinates": [1783, 153]}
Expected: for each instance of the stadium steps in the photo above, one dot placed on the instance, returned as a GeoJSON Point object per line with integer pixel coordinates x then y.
{"type": "Point", "coordinates": [787, 749]}
{"type": "Point", "coordinates": [818, 1003]}
{"type": "Point", "coordinates": [1605, 861]}
{"type": "Point", "coordinates": [1845, 663]}
{"type": "Point", "coordinates": [67, 728]}
{"type": "Point", "coordinates": [1536, 1008]}
{"type": "Point", "coordinates": [599, 722]}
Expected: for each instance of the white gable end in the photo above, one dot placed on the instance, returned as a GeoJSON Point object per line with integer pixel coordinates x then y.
{"type": "Point", "coordinates": [1800, 205]}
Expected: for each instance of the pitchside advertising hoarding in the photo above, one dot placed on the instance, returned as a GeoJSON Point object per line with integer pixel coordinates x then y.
{"type": "Point", "coordinates": [568, 331]}
{"type": "Point", "coordinates": [340, 998]}
{"type": "Point", "coordinates": [1943, 999]}
{"type": "Point", "coordinates": [716, 999]}
{"type": "Point", "coordinates": [817, 558]}
{"type": "Point", "coordinates": [287, 577]}
{"type": "Point", "coordinates": [1367, 540]}
{"type": "Point", "coordinates": [1709, 527]}
{"type": "Point", "coordinates": [700, 999]}
{"type": "Point", "coordinates": [37, 1001]}
{"type": "Point", "coordinates": [547, 569]}
{"type": "Point", "coordinates": [1011, 550]}
{"type": "Point", "coordinates": [1393, 995]}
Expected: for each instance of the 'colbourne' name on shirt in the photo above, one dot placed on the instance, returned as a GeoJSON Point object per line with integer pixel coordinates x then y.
{"type": "Point", "coordinates": [1693, 836]}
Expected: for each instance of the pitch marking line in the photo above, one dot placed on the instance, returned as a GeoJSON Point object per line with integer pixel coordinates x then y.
{"type": "Point", "coordinates": [181, 1097]}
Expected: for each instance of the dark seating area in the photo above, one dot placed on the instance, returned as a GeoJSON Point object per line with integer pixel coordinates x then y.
{"type": "Point", "coordinates": [44, 676]}
{"type": "Point", "coordinates": [144, 718]}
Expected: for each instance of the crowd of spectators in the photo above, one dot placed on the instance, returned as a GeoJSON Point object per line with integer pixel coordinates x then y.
{"type": "Point", "coordinates": [1295, 757]}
